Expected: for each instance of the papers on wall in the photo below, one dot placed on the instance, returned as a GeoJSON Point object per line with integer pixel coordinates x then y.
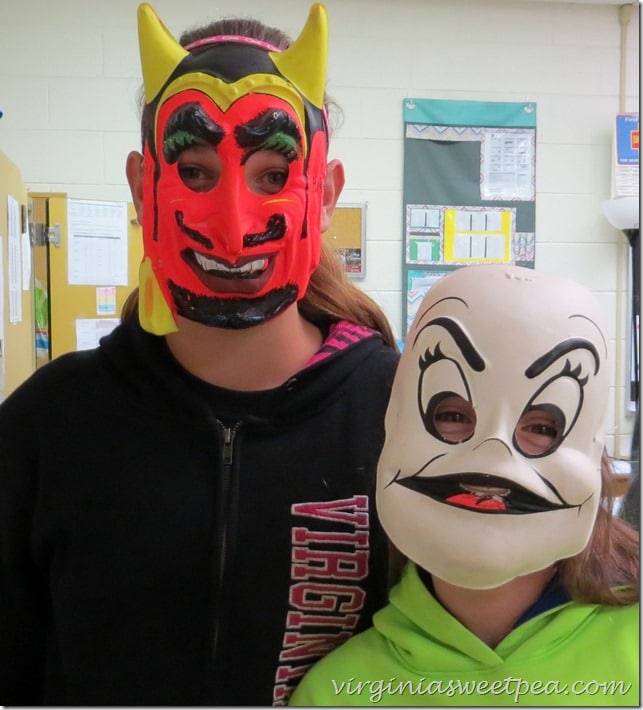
{"type": "Point", "coordinates": [89, 331]}
{"type": "Point", "coordinates": [106, 300]}
{"type": "Point", "coordinates": [97, 254]}
{"type": "Point", "coordinates": [508, 164]}
{"type": "Point", "coordinates": [14, 266]}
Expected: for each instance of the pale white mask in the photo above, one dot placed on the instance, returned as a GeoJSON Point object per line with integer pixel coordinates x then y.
{"type": "Point", "coordinates": [491, 465]}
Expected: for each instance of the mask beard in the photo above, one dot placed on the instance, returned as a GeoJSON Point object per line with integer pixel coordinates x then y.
{"type": "Point", "coordinates": [233, 313]}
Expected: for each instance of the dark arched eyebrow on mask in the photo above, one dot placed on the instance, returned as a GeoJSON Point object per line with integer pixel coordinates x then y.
{"type": "Point", "coordinates": [545, 360]}
{"type": "Point", "coordinates": [460, 338]}
{"type": "Point", "coordinates": [187, 126]}
{"type": "Point", "coordinates": [273, 129]}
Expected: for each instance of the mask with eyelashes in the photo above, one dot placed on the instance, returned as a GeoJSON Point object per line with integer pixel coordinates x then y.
{"type": "Point", "coordinates": [494, 431]}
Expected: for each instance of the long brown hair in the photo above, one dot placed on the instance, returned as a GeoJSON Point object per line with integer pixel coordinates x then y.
{"type": "Point", "coordinates": [607, 570]}
{"type": "Point", "coordinates": [331, 295]}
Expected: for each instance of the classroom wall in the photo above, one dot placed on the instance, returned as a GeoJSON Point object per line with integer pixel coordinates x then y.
{"type": "Point", "coordinates": [69, 76]}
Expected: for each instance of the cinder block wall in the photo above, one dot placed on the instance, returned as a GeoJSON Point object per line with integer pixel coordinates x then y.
{"type": "Point", "coordinates": [69, 77]}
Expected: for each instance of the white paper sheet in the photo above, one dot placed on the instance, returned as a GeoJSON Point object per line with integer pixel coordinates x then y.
{"type": "Point", "coordinates": [90, 330]}
{"type": "Point", "coordinates": [97, 253]}
{"type": "Point", "coordinates": [14, 265]}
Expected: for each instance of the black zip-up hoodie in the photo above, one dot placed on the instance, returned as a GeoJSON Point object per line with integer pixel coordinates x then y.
{"type": "Point", "coordinates": [168, 542]}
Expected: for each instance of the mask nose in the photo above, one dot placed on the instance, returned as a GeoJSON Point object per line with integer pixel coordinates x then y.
{"type": "Point", "coordinates": [496, 443]}
{"type": "Point", "coordinates": [496, 435]}
{"type": "Point", "coordinates": [229, 221]}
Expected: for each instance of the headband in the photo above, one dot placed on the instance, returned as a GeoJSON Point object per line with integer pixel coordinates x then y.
{"type": "Point", "coordinates": [219, 39]}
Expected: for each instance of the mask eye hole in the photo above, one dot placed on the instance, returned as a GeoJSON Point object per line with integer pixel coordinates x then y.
{"type": "Point", "coordinates": [199, 168]}
{"type": "Point", "coordinates": [540, 430]}
{"type": "Point", "coordinates": [266, 172]}
{"type": "Point", "coordinates": [451, 417]}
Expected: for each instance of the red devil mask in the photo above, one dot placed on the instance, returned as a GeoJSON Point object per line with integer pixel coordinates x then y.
{"type": "Point", "coordinates": [234, 175]}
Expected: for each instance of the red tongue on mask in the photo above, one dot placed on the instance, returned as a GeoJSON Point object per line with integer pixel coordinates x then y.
{"type": "Point", "coordinates": [469, 500]}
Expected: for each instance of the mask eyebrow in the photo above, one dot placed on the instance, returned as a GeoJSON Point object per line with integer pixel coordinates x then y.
{"type": "Point", "coordinates": [589, 320]}
{"type": "Point", "coordinates": [544, 361]}
{"type": "Point", "coordinates": [189, 125]}
{"type": "Point", "coordinates": [437, 303]}
{"type": "Point", "coordinates": [460, 338]}
{"type": "Point", "coordinates": [271, 130]}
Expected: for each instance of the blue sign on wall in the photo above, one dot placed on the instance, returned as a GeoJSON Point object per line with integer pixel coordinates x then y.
{"type": "Point", "coordinates": [627, 139]}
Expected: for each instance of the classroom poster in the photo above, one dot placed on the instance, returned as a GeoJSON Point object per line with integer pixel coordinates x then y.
{"type": "Point", "coordinates": [627, 155]}
{"type": "Point", "coordinates": [469, 189]}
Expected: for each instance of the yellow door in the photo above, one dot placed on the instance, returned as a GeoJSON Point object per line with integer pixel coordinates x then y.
{"type": "Point", "coordinates": [93, 251]}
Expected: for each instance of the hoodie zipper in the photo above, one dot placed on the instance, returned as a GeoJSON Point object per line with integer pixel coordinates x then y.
{"type": "Point", "coordinates": [221, 532]}
{"type": "Point", "coordinates": [229, 434]}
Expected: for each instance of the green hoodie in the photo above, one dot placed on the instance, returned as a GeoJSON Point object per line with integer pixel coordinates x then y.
{"type": "Point", "coordinates": [417, 653]}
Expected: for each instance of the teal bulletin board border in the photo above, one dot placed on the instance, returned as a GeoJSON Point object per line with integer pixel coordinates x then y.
{"type": "Point", "coordinates": [445, 112]}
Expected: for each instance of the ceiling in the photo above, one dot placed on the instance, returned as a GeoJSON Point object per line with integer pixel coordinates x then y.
{"type": "Point", "coordinates": [592, 2]}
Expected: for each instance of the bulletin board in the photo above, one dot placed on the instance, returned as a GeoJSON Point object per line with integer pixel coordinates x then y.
{"type": "Point", "coordinates": [469, 189]}
{"type": "Point", "coordinates": [346, 234]}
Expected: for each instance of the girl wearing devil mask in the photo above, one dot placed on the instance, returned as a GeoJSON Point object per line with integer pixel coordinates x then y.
{"type": "Point", "coordinates": [224, 539]}
{"type": "Point", "coordinates": [520, 587]}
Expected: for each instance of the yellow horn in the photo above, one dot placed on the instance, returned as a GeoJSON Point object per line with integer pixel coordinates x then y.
{"type": "Point", "coordinates": [304, 62]}
{"type": "Point", "coordinates": [160, 52]}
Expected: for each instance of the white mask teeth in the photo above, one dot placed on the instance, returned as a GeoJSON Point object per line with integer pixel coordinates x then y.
{"type": "Point", "coordinates": [210, 265]}
{"type": "Point", "coordinates": [486, 490]}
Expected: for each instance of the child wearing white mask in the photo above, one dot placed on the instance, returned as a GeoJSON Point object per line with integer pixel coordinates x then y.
{"type": "Point", "coordinates": [520, 588]}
